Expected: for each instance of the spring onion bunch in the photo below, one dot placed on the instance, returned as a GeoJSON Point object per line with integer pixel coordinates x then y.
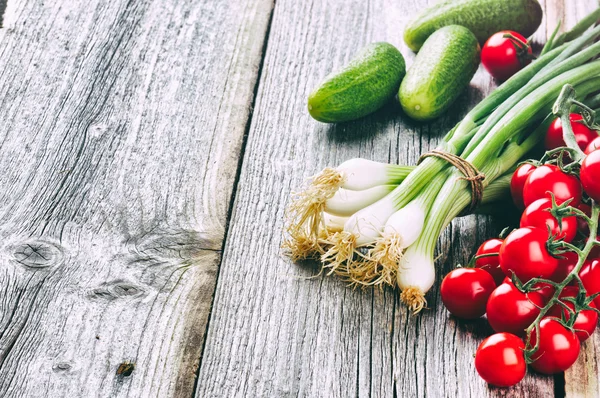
{"type": "Point", "coordinates": [375, 224]}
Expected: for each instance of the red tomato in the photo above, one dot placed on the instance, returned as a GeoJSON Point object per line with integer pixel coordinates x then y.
{"type": "Point", "coordinates": [566, 264]}
{"type": "Point", "coordinates": [538, 215]}
{"type": "Point", "coordinates": [504, 56]}
{"type": "Point", "coordinates": [525, 253]}
{"type": "Point", "coordinates": [550, 178]}
{"type": "Point", "coordinates": [558, 350]}
{"type": "Point", "coordinates": [509, 310]}
{"type": "Point", "coordinates": [517, 183]}
{"type": "Point", "coordinates": [592, 146]}
{"type": "Point", "coordinates": [500, 360]}
{"type": "Point", "coordinates": [490, 264]}
{"type": "Point", "coordinates": [583, 134]}
{"type": "Point", "coordinates": [590, 276]}
{"type": "Point", "coordinates": [465, 292]}
{"type": "Point", "coordinates": [586, 321]}
{"type": "Point", "coordinates": [590, 175]}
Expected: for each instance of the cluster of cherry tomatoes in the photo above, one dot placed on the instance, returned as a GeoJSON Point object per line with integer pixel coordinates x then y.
{"type": "Point", "coordinates": [546, 193]}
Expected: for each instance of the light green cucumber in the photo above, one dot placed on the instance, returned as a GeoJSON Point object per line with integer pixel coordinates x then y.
{"type": "Point", "coordinates": [441, 71]}
{"type": "Point", "coordinates": [482, 17]}
{"type": "Point", "coordinates": [369, 81]}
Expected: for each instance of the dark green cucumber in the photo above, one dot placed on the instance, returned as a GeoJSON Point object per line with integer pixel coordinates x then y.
{"type": "Point", "coordinates": [362, 87]}
{"type": "Point", "coordinates": [441, 71]}
{"type": "Point", "coordinates": [482, 17]}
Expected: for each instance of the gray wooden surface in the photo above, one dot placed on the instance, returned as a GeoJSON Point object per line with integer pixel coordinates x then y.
{"type": "Point", "coordinates": [122, 127]}
{"type": "Point", "coordinates": [127, 127]}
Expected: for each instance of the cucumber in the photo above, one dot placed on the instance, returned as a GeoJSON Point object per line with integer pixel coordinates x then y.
{"type": "Point", "coordinates": [369, 81]}
{"type": "Point", "coordinates": [482, 17]}
{"type": "Point", "coordinates": [441, 71]}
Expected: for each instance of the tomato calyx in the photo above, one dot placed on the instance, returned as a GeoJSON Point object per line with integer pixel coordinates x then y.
{"type": "Point", "coordinates": [561, 157]}
{"type": "Point", "coordinates": [522, 48]}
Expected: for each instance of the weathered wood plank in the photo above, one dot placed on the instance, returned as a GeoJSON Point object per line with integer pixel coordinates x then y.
{"type": "Point", "coordinates": [276, 329]}
{"type": "Point", "coordinates": [122, 126]}
{"type": "Point", "coordinates": [583, 379]}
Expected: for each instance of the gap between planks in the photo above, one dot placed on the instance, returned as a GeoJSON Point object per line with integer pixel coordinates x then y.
{"type": "Point", "coordinates": [235, 185]}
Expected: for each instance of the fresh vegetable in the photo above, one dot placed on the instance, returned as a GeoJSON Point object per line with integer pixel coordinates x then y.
{"type": "Point", "coordinates": [590, 175]}
{"type": "Point", "coordinates": [583, 134]}
{"type": "Point", "coordinates": [488, 259]}
{"type": "Point", "coordinates": [558, 347]}
{"type": "Point", "coordinates": [465, 292]}
{"type": "Point", "coordinates": [593, 145]}
{"type": "Point", "coordinates": [362, 87]}
{"type": "Point", "coordinates": [500, 361]}
{"type": "Point", "coordinates": [525, 254]}
{"type": "Point", "coordinates": [509, 310]}
{"type": "Point", "coordinates": [586, 320]}
{"type": "Point", "coordinates": [539, 214]}
{"type": "Point", "coordinates": [517, 183]}
{"type": "Point", "coordinates": [505, 53]}
{"type": "Point", "coordinates": [440, 73]}
{"type": "Point", "coordinates": [482, 17]}
{"type": "Point", "coordinates": [590, 277]}
{"type": "Point", "coordinates": [550, 179]}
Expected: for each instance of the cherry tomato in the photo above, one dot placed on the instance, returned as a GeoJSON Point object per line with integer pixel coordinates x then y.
{"type": "Point", "coordinates": [550, 178]}
{"type": "Point", "coordinates": [586, 321]}
{"type": "Point", "coordinates": [509, 310]}
{"type": "Point", "coordinates": [490, 264]}
{"type": "Point", "coordinates": [590, 276]}
{"type": "Point", "coordinates": [566, 264]}
{"type": "Point", "coordinates": [524, 252]}
{"type": "Point", "coordinates": [538, 215]}
{"type": "Point", "coordinates": [504, 56]}
{"type": "Point", "coordinates": [590, 175]}
{"type": "Point", "coordinates": [500, 360]}
{"type": "Point", "coordinates": [517, 183]}
{"type": "Point", "coordinates": [592, 146]}
{"type": "Point", "coordinates": [465, 292]}
{"type": "Point", "coordinates": [583, 134]}
{"type": "Point", "coordinates": [558, 349]}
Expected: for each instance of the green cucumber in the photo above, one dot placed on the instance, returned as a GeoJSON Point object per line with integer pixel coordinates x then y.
{"type": "Point", "coordinates": [441, 71]}
{"type": "Point", "coordinates": [482, 17]}
{"type": "Point", "coordinates": [369, 81]}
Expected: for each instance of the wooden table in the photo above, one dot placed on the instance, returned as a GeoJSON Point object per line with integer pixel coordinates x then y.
{"type": "Point", "coordinates": [148, 149]}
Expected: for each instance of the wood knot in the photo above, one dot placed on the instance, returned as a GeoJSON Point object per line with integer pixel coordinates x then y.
{"type": "Point", "coordinates": [125, 369]}
{"type": "Point", "coordinates": [37, 254]}
{"type": "Point", "coordinates": [171, 245]}
{"type": "Point", "coordinates": [117, 289]}
{"type": "Point", "coordinates": [61, 367]}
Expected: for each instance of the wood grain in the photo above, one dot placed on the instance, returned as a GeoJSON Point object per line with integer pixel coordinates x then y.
{"type": "Point", "coordinates": [278, 328]}
{"type": "Point", "coordinates": [582, 379]}
{"type": "Point", "coordinates": [122, 128]}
